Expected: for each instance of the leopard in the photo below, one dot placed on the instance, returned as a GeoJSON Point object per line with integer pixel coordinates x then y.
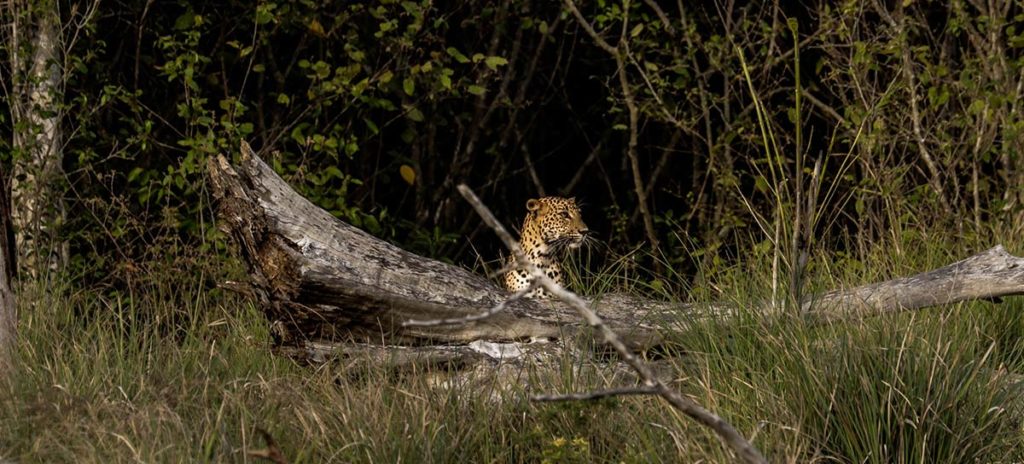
{"type": "Point", "coordinates": [552, 226]}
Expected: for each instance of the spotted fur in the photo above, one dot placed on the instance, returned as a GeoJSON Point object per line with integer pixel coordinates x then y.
{"type": "Point", "coordinates": [552, 225]}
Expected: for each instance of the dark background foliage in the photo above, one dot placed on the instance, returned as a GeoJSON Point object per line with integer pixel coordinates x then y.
{"type": "Point", "coordinates": [376, 110]}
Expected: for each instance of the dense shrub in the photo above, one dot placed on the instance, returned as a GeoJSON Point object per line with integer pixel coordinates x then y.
{"type": "Point", "coordinates": [375, 111]}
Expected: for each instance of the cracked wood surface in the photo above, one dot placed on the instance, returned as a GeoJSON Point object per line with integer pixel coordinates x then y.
{"type": "Point", "coordinates": [326, 285]}
{"type": "Point", "coordinates": [324, 280]}
{"type": "Point", "coordinates": [991, 274]}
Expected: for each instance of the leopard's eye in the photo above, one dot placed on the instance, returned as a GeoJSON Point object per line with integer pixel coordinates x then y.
{"type": "Point", "coordinates": [566, 215]}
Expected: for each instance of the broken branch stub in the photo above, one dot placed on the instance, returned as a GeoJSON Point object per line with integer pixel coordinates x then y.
{"type": "Point", "coordinates": [324, 283]}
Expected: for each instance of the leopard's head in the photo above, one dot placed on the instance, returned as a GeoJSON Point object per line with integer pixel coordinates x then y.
{"type": "Point", "coordinates": [555, 222]}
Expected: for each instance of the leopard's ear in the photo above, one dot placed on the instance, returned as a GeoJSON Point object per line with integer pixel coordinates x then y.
{"type": "Point", "coordinates": [572, 199]}
{"type": "Point", "coordinates": [532, 204]}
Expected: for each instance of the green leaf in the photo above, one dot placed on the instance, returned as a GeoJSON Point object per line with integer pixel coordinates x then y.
{"type": "Point", "coordinates": [370, 125]}
{"type": "Point", "coordinates": [134, 174]}
{"type": "Point", "coordinates": [476, 90]}
{"type": "Point", "coordinates": [454, 53]}
{"type": "Point", "coordinates": [408, 136]}
{"type": "Point", "coordinates": [977, 106]}
{"type": "Point", "coordinates": [761, 184]}
{"type": "Point", "coordinates": [409, 86]}
{"type": "Point", "coordinates": [185, 21]}
{"type": "Point", "coordinates": [446, 81]}
{"type": "Point", "coordinates": [360, 86]}
{"type": "Point", "coordinates": [297, 134]}
{"type": "Point", "coordinates": [333, 171]}
{"type": "Point", "coordinates": [415, 114]}
{"type": "Point", "coordinates": [371, 224]}
{"type": "Point", "coordinates": [494, 61]}
{"type": "Point", "coordinates": [264, 13]}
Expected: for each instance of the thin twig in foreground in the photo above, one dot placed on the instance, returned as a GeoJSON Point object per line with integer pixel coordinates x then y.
{"type": "Point", "coordinates": [509, 267]}
{"type": "Point", "coordinates": [472, 317]}
{"type": "Point", "coordinates": [271, 453]}
{"type": "Point", "coordinates": [743, 448]}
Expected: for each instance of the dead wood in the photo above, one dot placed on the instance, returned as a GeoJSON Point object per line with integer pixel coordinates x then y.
{"type": "Point", "coordinates": [989, 275]}
{"type": "Point", "coordinates": [329, 288]}
{"type": "Point", "coordinates": [745, 450]}
{"type": "Point", "coordinates": [322, 282]}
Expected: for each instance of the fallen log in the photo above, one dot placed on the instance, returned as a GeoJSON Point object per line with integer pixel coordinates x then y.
{"type": "Point", "coordinates": [330, 289]}
{"type": "Point", "coordinates": [989, 275]}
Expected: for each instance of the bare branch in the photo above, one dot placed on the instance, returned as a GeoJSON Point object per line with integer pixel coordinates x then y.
{"type": "Point", "coordinates": [473, 317]}
{"type": "Point", "coordinates": [825, 108]}
{"type": "Point", "coordinates": [509, 267]}
{"type": "Point", "coordinates": [620, 53]}
{"type": "Point", "coordinates": [271, 453]}
{"type": "Point", "coordinates": [663, 17]}
{"type": "Point", "coordinates": [531, 169]}
{"type": "Point", "coordinates": [900, 26]}
{"type": "Point", "coordinates": [743, 448]}
{"type": "Point", "coordinates": [569, 187]}
{"type": "Point", "coordinates": [590, 29]}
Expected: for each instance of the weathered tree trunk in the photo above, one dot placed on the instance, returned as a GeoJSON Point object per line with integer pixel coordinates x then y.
{"type": "Point", "coordinates": [991, 274]}
{"type": "Point", "coordinates": [8, 311]}
{"type": "Point", "coordinates": [329, 288]}
{"type": "Point", "coordinates": [38, 203]}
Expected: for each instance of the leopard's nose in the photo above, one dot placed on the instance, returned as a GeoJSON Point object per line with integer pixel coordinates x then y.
{"type": "Point", "coordinates": [584, 231]}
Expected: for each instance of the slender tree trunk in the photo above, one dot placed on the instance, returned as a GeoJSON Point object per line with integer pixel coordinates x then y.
{"type": "Point", "coordinates": [38, 207]}
{"type": "Point", "coordinates": [8, 313]}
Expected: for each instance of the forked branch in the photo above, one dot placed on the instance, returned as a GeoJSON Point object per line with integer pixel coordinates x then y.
{"type": "Point", "coordinates": [619, 53]}
{"type": "Point", "coordinates": [652, 385]}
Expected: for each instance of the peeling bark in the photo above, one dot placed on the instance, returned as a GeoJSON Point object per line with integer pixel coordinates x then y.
{"type": "Point", "coordinates": [330, 289]}
{"type": "Point", "coordinates": [991, 274]}
{"type": "Point", "coordinates": [322, 279]}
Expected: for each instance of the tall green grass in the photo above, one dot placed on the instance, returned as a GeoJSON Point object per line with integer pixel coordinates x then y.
{"type": "Point", "coordinates": [182, 373]}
